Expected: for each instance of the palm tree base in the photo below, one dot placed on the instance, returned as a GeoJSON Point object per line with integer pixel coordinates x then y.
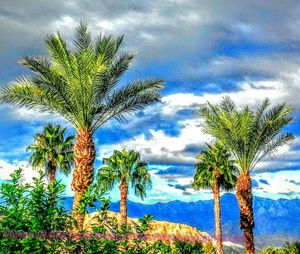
{"type": "Point", "coordinates": [83, 174]}
{"type": "Point", "coordinates": [244, 197]}
{"type": "Point", "coordinates": [76, 215]}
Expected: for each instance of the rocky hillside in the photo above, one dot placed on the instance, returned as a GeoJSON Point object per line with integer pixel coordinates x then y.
{"type": "Point", "coordinates": [158, 228]}
{"type": "Point", "coordinates": [166, 230]}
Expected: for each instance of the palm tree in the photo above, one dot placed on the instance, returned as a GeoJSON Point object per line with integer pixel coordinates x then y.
{"type": "Point", "coordinates": [80, 84]}
{"type": "Point", "coordinates": [125, 168]}
{"type": "Point", "coordinates": [52, 151]}
{"type": "Point", "coordinates": [250, 136]}
{"type": "Point", "coordinates": [215, 171]}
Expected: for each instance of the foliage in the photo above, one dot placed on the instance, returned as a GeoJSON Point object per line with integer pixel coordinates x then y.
{"type": "Point", "coordinates": [80, 82]}
{"type": "Point", "coordinates": [184, 247]}
{"type": "Point", "coordinates": [209, 248]}
{"type": "Point", "coordinates": [145, 223]}
{"type": "Point", "coordinates": [33, 220]}
{"type": "Point", "coordinates": [249, 135]}
{"type": "Point", "coordinates": [215, 167]}
{"type": "Point", "coordinates": [126, 166]}
{"type": "Point", "coordinates": [288, 248]}
{"type": "Point", "coordinates": [28, 211]}
{"type": "Point", "coordinates": [52, 149]}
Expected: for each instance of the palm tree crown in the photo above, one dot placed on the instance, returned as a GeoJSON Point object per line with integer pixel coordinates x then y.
{"type": "Point", "coordinates": [250, 136]}
{"type": "Point", "coordinates": [80, 84]}
{"type": "Point", "coordinates": [52, 150]}
{"type": "Point", "coordinates": [215, 171]}
{"type": "Point", "coordinates": [125, 166]}
{"type": "Point", "coordinates": [215, 165]}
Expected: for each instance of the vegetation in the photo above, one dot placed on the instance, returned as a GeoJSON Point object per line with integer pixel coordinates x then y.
{"type": "Point", "coordinates": [214, 171]}
{"type": "Point", "coordinates": [52, 151]}
{"type": "Point", "coordinates": [33, 220]}
{"type": "Point", "coordinates": [28, 210]}
{"type": "Point", "coordinates": [126, 168]}
{"type": "Point", "coordinates": [288, 248]}
{"type": "Point", "coordinates": [249, 136]}
{"type": "Point", "coordinates": [80, 85]}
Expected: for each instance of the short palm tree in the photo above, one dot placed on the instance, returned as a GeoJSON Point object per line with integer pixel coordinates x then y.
{"type": "Point", "coordinates": [214, 171]}
{"type": "Point", "coordinates": [52, 151]}
{"type": "Point", "coordinates": [80, 84]}
{"type": "Point", "coordinates": [250, 136]}
{"type": "Point", "coordinates": [125, 168]}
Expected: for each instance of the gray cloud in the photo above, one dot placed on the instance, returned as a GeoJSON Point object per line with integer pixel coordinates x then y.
{"type": "Point", "coordinates": [163, 31]}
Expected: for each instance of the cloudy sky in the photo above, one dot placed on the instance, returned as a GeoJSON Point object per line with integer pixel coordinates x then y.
{"type": "Point", "coordinates": [203, 50]}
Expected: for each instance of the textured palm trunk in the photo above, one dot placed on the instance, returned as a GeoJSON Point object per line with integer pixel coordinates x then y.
{"type": "Point", "coordinates": [83, 174]}
{"type": "Point", "coordinates": [218, 225]}
{"type": "Point", "coordinates": [217, 210]}
{"type": "Point", "coordinates": [244, 197]}
{"type": "Point", "coordinates": [123, 202]}
{"type": "Point", "coordinates": [52, 175]}
{"type": "Point", "coordinates": [52, 170]}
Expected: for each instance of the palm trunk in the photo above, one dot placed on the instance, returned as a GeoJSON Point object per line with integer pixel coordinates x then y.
{"type": "Point", "coordinates": [218, 225]}
{"type": "Point", "coordinates": [52, 170]}
{"type": "Point", "coordinates": [123, 202]}
{"type": "Point", "coordinates": [244, 197]}
{"type": "Point", "coordinates": [52, 175]}
{"type": "Point", "coordinates": [83, 174]}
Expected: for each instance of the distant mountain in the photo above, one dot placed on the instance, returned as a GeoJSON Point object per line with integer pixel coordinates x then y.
{"type": "Point", "coordinates": [276, 220]}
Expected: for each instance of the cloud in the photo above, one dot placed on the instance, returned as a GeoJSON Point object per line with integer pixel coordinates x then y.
{"type": "Point", "coordinates": [161, 148]}
{"type": "Point", "coordinates": [280, 184]}
{"type": "Point", "coordinates": [7, 168]}
{"type": "Point", "coordinates": [294, 182]}
{"type": "Point", "coordinates": [176, 171]}
{"type": "Point", "coordinates": [189, 38]}
{"type": "Point", "coordinates": [250, 93]}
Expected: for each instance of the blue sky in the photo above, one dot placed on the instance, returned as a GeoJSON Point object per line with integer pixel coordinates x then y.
{"type": "Point", "coordinates": [203, 50]}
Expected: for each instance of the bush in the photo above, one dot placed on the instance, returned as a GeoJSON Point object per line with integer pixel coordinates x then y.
{"type": "Point", "coordinates": [28, 211]}
{"type": "Point", "coordinates": [34, 220]}
{"type": "Point", "coordinates": [185, 247]}
{"type": "Point", "coordinates": [288, 248]}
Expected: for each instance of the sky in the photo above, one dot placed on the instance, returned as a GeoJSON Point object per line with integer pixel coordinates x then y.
{"type": "Point", "coordinates": [203, 50]}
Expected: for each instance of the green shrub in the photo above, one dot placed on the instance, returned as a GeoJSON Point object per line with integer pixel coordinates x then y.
{"type": "Point", "coordinates": [34, 220]}
{"type": "Point", "coordinates": [288, 248]}
{"type": "Point", "coordinates": [185, 247]}
{"type": "Point", "coordinates": [28, 211]}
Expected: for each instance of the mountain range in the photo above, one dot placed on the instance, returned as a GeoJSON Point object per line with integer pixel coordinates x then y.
{"type": "Point", "coordinates": [276, 221]}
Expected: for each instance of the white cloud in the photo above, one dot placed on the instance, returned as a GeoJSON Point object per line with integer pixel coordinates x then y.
{"type": "Point", "coordinates": [249, 93]}
{"type": "Point", "coordinates": [160, 147]}
{"type": "Point", "coordinates": [7, 168]}
{"type": "Point", "coordinates": [281, 184]}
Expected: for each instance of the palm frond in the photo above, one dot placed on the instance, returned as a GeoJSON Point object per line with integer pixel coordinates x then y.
{"type": "Point", "coordinates": [50, 147]}
{"type": "Point", "coordinates": [82, 37]}
{"type": "Point", "coordinates": [128, 100]}
{"type": "Point", "coordinates": [250, 136]}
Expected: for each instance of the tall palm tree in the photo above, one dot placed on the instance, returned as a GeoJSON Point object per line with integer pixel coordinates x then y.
{"type": "Point", "coordinates": [125, 168]}
{"type": "Point", "coordinates": [250, 136]}
{"type": "Point", "coordinates": [80, 84]}
{"type": "Point", "coordinates": [52, 151]}
{"type": "Point", "coordinates": [214, 171]}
